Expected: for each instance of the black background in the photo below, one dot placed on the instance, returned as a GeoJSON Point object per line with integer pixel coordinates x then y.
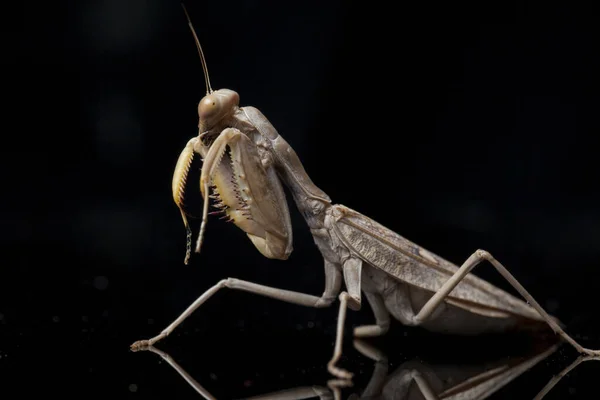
{"type": "Point", "coordinates": [459, 127]}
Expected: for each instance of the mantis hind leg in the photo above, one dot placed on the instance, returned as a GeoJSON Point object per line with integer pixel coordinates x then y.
{"type": "Point", "coordinates": [476, 258]}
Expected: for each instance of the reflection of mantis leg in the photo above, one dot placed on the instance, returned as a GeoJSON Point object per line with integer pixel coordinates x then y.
{"type": "Point", "coordinates": [307, 392]}
{"type": "Point", "coordinates": [379, 372]}
{"type": "Point", "coordinates": [423, 384]}
{"type": "Point", "coordinates": [475, 259]}
{"type": "Point", "coordinates": [486, 381]}
{"type": "Point", "coordinates": [562, 373]}
{"type": "Point", "coordinates": [193, 383]}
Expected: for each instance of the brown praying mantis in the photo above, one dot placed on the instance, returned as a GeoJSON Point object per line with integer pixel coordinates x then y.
{"type": "Point", "coordinates": [245, 165]}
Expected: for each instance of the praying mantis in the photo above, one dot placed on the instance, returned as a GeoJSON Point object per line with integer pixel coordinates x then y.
{"type": "Point", "coordinates": [246, 163]}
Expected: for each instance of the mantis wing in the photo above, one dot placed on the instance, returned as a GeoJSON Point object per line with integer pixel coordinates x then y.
{"type": "Point", "coordinates": [406, 261]}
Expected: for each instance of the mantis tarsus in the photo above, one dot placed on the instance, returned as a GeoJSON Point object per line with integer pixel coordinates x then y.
{"type": "Point", "coordinates": [246, 163]}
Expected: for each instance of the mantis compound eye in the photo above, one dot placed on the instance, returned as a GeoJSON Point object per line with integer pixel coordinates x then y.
{"type": "Point", "coordinates": [209, 107]}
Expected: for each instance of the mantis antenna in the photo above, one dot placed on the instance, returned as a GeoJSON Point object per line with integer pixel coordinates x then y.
{"type": "Point", "coordinates": [202, 59]}
{"type": "Point", "coordinates": [209, 90]}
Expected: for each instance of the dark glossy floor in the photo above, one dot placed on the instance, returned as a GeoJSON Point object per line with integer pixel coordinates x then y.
{"type": "Point", "coordinates": [241, 358]}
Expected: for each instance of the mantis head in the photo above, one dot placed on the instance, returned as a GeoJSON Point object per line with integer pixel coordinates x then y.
{"type": "Point", "coordinates": [216, 106]}
{"type": "Point", "coordinates": [244, 189]}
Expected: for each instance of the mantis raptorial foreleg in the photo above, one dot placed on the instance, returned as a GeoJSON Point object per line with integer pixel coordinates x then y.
{"type": "Point", "coordinates": [332, 287]}
{"type": "Point", "coordinates": [474, 260]}
{"type": "Point", "coordinates": [251, 197]}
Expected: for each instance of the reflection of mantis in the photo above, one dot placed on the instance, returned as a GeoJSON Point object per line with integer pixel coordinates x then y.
{"type": "Point", "coordinates": [246, 161]}
{"type": "Point", "coordinates": [413, 379]}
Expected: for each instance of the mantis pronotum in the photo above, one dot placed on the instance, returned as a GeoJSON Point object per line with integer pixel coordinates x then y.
{"type": "Point", "coordinates": [246, 163]}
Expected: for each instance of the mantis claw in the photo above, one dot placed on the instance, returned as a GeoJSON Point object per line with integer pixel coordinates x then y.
{"type": "Point", "coordinates": [147, 343]}
{"type": "Point", "coordinates": [140, 345]}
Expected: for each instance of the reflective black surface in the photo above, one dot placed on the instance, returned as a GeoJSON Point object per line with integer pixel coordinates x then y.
{"type": "Point", "coordinates": [230, 362]}
{"type": "Point", "coordinates": [456, 126]}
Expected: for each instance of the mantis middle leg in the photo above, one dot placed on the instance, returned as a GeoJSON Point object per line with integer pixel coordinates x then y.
{"type": "Point", "coordinates": [348, 299]}
{"type": "Point", "coordinates": [382, 318]}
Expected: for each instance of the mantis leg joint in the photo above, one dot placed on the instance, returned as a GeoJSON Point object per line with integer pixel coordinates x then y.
{"type": "Point", "coordinates": [485, 255]}
{"type": "Point", "coordinates": [353, 303]}
{"type": "Point", "coordinates": [324, 301]}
